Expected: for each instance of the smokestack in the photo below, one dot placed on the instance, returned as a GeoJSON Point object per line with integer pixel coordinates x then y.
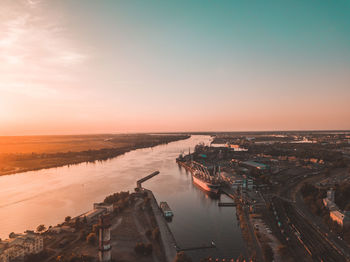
{"type": "Point", "coordinates": [104, 246]}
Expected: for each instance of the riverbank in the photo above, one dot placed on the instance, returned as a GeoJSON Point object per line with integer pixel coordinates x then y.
{"type": "Point", "coordinates": [22, 154]}
{"type": "Point", "coordinates": [136, 233]}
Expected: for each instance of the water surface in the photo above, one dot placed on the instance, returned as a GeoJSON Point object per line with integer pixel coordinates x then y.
{"type": "Point", "coordinates": [48, 196]}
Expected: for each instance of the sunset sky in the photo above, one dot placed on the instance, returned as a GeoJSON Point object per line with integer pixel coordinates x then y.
{"type": "Point", "coordinates": [75, 67]}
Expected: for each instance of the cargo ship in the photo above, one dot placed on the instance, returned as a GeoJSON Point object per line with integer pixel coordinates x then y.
{"type": "Point", "coordinates": [207, 183]}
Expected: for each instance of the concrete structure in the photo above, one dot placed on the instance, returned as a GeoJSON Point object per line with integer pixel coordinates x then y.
{"type": "Point", "coordinates": [99, 209]}
{"type": "Point", "coordinates": [92, 214]}
{"type": "Point", "coordinates": [107, 207]}
{"type": "Point", "coordinates": [19, 246]}
{"type": "Point", "coordinates": [331, 195]}
{"type": "Point", "coordinates": [104, 246]}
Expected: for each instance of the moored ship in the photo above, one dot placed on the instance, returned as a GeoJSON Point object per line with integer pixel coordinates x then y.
{"type": "Point", "coordinates": [207, 183]}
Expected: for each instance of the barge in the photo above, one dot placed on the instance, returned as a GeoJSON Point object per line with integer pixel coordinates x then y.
{"type": "Point", "coordinates": [167, 212]}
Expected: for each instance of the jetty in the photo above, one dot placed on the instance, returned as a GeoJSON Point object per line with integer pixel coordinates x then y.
{"type": "Point", "coordinates": [212, 245]}
{"type": "Point", "coordinates": [167, 237]}
{"type": "Point", "coordinates": [140, 181]}
{"type": "Point", "coordinates": [227, 204]}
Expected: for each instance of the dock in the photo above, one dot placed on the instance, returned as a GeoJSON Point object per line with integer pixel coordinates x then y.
{"type": "Point", "coordinates": [167, 237]}
{"type": "Point", "coordinates": [139, 182]}
{"type": "Point", "coordinates": [229, 192]}
{"type": "Point", "coordinates": [228, 204]}
{"type": "Point", "coordinates": [212, 245]}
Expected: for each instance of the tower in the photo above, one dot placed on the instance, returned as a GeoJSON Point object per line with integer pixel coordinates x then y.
{"type": "Point", "coordinates": [104, 247]}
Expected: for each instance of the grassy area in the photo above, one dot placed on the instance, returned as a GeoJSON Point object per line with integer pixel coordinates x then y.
{"type": "Point", "coordinates": [25, 153]}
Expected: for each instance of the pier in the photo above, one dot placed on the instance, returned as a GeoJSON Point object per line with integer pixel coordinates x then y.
{"type": "Point", "coordinates": [212, 245]}
{"type": "Point", "coordinates": [167, 237]}
{"type": "Point", "coordinates": [139, 182]}
{"type": "Point", "coordinates": [228, 204]}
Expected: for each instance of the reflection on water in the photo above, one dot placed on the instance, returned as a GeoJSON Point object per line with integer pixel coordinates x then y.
{"type": "Point", "coordinates": [47, 196]}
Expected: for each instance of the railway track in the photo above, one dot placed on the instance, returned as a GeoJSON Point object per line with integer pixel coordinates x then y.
{"type": "Point", "coordinates": [318, 248]}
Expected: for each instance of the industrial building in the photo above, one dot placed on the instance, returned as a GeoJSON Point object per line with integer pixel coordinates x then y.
{"type": "Point", "coordinates": [342, 218]}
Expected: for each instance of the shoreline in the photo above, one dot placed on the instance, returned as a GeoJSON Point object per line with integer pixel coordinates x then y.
{"type": "Point", "coordinates": [88, 156]}
{"type": "Point", "coordinates": [134, 210]}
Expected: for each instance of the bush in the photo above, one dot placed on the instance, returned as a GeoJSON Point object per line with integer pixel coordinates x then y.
{"type": "Point", "coordinates": [116, 197]}
{"type": "Point", "coordinates": [40, 228]}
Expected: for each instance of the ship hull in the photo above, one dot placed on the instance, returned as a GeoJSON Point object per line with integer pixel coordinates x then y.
{"type": "Point", "coordinates": [204, 185]}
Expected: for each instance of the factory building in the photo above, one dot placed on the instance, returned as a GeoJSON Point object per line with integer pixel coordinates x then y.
{"type": "Point", "coordinates": [342, 218]}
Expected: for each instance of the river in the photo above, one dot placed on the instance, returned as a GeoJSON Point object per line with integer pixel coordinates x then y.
{"type": "Point", "coordinates": [47, 196]}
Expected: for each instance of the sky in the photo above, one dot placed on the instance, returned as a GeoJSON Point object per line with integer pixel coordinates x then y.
{"type": "Point", "coordinates": [84, 66]}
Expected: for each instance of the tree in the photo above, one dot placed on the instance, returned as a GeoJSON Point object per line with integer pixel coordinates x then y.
{"type": "Point", "coordinates": [155, 233]}
{"type": "Point", "coordinates": [82, 235]}
{"type": "Point", "coordinates": [67, 219]}
{"type": "Point", "coordinates": [182, 257]}
{"type": "Point", "coordinates": [143, 249]}
{"type": "Point", "coordinates": [41, 228]}
{"type": "Point", "coordinates": [77, 223]}
{"type": "Point", "coordinates": [91, 238]}
{"type": "Point", "coordinates": [85, 220]}
{"type": "Point", "coordinates": [12, 235]}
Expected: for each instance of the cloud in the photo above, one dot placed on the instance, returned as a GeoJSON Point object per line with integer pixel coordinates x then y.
{"type": "Point", "coordinates": [35, 53]}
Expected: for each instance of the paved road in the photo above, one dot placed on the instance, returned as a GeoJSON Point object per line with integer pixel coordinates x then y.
{"type": "Point", "coordinates": [257, 247]}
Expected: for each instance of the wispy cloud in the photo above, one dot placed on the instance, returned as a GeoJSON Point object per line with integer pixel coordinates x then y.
{"type": "Point", "coordinates": [34, 49]}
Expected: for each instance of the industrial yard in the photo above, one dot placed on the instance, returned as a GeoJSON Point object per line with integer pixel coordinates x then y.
{"type": "Point", "coordinates": [266, 173]}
